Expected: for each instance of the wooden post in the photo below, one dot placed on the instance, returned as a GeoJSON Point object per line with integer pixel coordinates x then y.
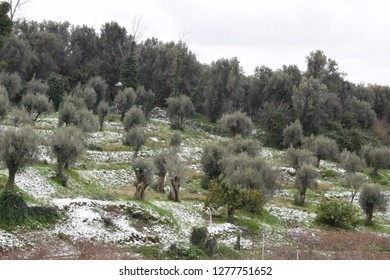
{"type": "Point", "coordinates": [262, 249]}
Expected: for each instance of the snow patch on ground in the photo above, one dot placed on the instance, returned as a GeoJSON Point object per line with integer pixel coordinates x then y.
{"type": "Point", "coordinates": [109, 157]}
{"type": "Point", "coordinates": [36, 185]}
{"type": "Point", "coordinates": [109, 178]}
{"type": "Point", "coordinates": [291, 215]}
{"type": "Point", "coordinates": [227, 234]}
{"type": "Point", "coordinates": [87, 218]}
{"type": "Point", "coordinates": [9, 241]}
{"type": "Point", "coordinates": [104, 137]}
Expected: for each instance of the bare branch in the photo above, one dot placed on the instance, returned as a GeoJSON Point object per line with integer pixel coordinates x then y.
{"type": "Point", "coordinates": [137, 29]}
{"type": "Point", "coordinates": [183, 34]}
{"type": "Point", "coordinates": [15, 6]}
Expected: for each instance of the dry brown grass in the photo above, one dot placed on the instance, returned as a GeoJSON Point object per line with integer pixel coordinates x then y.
{"type": "Point", "coordinates": [335, 245]}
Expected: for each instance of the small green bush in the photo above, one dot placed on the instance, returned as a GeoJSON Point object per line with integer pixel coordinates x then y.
{"type": "Point", "coordinates": [337, 213]}
{"type": "Point", "coordinates": [198, 236]}
{"type": "Point", "coordinates": [253, 200]}
{"type": "Point", "coordinates": [210, 246]}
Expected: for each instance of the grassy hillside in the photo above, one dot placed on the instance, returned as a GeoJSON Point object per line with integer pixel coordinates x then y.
{"type": "Point", "coordinates": [99, 219]}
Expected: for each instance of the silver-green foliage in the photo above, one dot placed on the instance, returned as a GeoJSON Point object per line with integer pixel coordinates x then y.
{"type": "Point", "coordinates": [236, 123]}
{"type": "Point", "coordinates": [102, 111]}
{"type": "Point", "coordinates": [181, 108]}
{"type": "Point", "coordinates": [4, 102]}
{"type": "Point", "coordinates": [376, 157]}
{"type": "Point", "coordinates": [371, 199]}
{"type": "Point", "coordinates": [305, 179]}
{"type": "Point", "coordinates": [351, 162]}
{"type": "Point", "coordinates": [322, 147]}
{"type": "Point", "coordinates": [18, 148]}
{"type": "Point", "coordinates": [249, 173]}
{"type": "Point", "coordinates": [134, 117]}
{"type": "Point", "coordinates": [37, 104]}
{"type": "Point", "coordinates": [299, 157]}
{"type": "Point", "coordinates": [293, 134]}
{"type": "Point", "coordinates": [124, 100]}
{"type": "Point", "coordinates": [67, 146]}
{"type": "Point", "coordinates": [135, 138]}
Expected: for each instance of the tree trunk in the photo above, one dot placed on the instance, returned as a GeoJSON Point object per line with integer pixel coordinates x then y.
{"type": "Point", "coordinates": [369, 214]}
{"type": "Point", "coordinates": [36, 117]}
{"type": "Point", "coordinates": [11, 178]}
{"type": "Point", "coordinates": [160, 183]}
{"type": "Point", "coordinates": [353, 196]}
{"type": "Point", "coordinates": [135, 154]}
{"type": "Point", "coordinates": [174, 191]}
{"type": "Point", "coordinates": [302, 199]}
{"type": "Point", "coordinates": [230, 210]}
{"type": "Point", "coordinates": [140, 191]}
{"type": "Point", "coordinates": [61, 175]}
{"type": "Point", "coordinates": [180, 121]}
{"type": "Point", "coordinates": [101, 122]}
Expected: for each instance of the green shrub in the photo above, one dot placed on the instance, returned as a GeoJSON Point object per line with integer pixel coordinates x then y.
{"type": "Point", "coordinates": [253, 200]}
{"type": "Point", "coordinates": [210, 246]}
{"type": "Point", "coordinates": [337, 213]}
{"type": "Point", "coordinates": [198, 236]}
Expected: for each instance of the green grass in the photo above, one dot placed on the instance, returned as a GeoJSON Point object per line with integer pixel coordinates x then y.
{"type": "Point", "coordinates": [250, 224]}
{"type": "Point", "coordinates": [382, 178]}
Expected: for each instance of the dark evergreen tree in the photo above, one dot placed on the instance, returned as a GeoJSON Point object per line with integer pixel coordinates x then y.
{"type": "Point", "coordinates": [129, 74]}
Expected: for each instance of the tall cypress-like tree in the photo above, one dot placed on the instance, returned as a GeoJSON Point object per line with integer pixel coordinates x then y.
{"type": "Point", "coordinates": [129, 73]}
{"type": "Point", "coordinates": [5, 22]}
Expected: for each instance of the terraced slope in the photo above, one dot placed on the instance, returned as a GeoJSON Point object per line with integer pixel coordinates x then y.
{"type": "Point", "coordinates": [101, 220]}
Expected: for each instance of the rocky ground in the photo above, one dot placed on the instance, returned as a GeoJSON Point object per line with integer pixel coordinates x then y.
{"type": "Point", "coordinates": [101, 220]}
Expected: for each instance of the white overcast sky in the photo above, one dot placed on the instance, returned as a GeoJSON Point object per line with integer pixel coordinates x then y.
{"type": "Point", "coordinates": [355, 33]}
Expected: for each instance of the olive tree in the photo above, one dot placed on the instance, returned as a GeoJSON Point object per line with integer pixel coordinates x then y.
{"type": "Point", "coordinates": [236, 123]}
{"type": "Point", "coordinates": [37, 104]}
{"type": "Point", "coordinates": [160, 163]}
{"type": "Point", "coordinates": [4, 102]}
{"type": "Point", "coordinates": [145, 99]}
{"type": "Point", "coordinates": [353, 182]}
{"type": "Point", "coordinates": [322, 147]}
{"type": "Point", "coordinates": [134, 117]}
{"type": "Point", "coordinates": [18, 116]}
{"type": "Point", "coordinates": [239, 145]}
{"type": "Point", "coordinates": [67, 146]}
{"type": "Point", "coordinates": [299, 157]}
{"type": "Point", "coordinates": [13, 83]}
{"type": "Point", "coordinates": [211, 160]}
{"type": "Point", "coordinates": [175, 140]}
{"type": "Point", "coordinates": [351, 162]}
{"type": "Point", "coordinates": [249, 172]}
{"type": "Point", "coordinates": [102, 111]}
{"type": "Point", "coordinates": [305, 179]}
{"type": "Point", "coordinates": [175, 174]}
{"type": "Point", "coordinates": [180, 107]}
{"type": "Point", "coordinates": [87, 94]}
{"type": "Point", "coordinates": [73, 112]}
{"type": "Point", "coordinates": [144, 170]}
{"type": "Point", "coordinates": [376, 157]}
{"type": "Point", "coordinates": [35, 86]}
{"type": "Point", "coordinates": [293, 134]}
{"type": "Point", "coordinates": [18, 148]}
{"type": "Point", "coordinates": [135, 138]}
{"type": "Point", "coordinates": [372, 199]}
{"type": "Point", "coordinates": [124, 100]}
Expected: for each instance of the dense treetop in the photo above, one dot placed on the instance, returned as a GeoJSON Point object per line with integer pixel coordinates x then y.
{"type": "Point", "coordinates": [62, 56]}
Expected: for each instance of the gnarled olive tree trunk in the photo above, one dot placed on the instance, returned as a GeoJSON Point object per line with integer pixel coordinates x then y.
{"type": "Point", "coordinates": [175, 187]}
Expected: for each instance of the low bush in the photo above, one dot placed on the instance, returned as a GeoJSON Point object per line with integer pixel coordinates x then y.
{"type": "Point", "coordinates": [337, 213]}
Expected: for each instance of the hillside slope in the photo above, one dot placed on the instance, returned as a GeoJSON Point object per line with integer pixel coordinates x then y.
{"type": "Point", "coordinates": [101, 220]}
